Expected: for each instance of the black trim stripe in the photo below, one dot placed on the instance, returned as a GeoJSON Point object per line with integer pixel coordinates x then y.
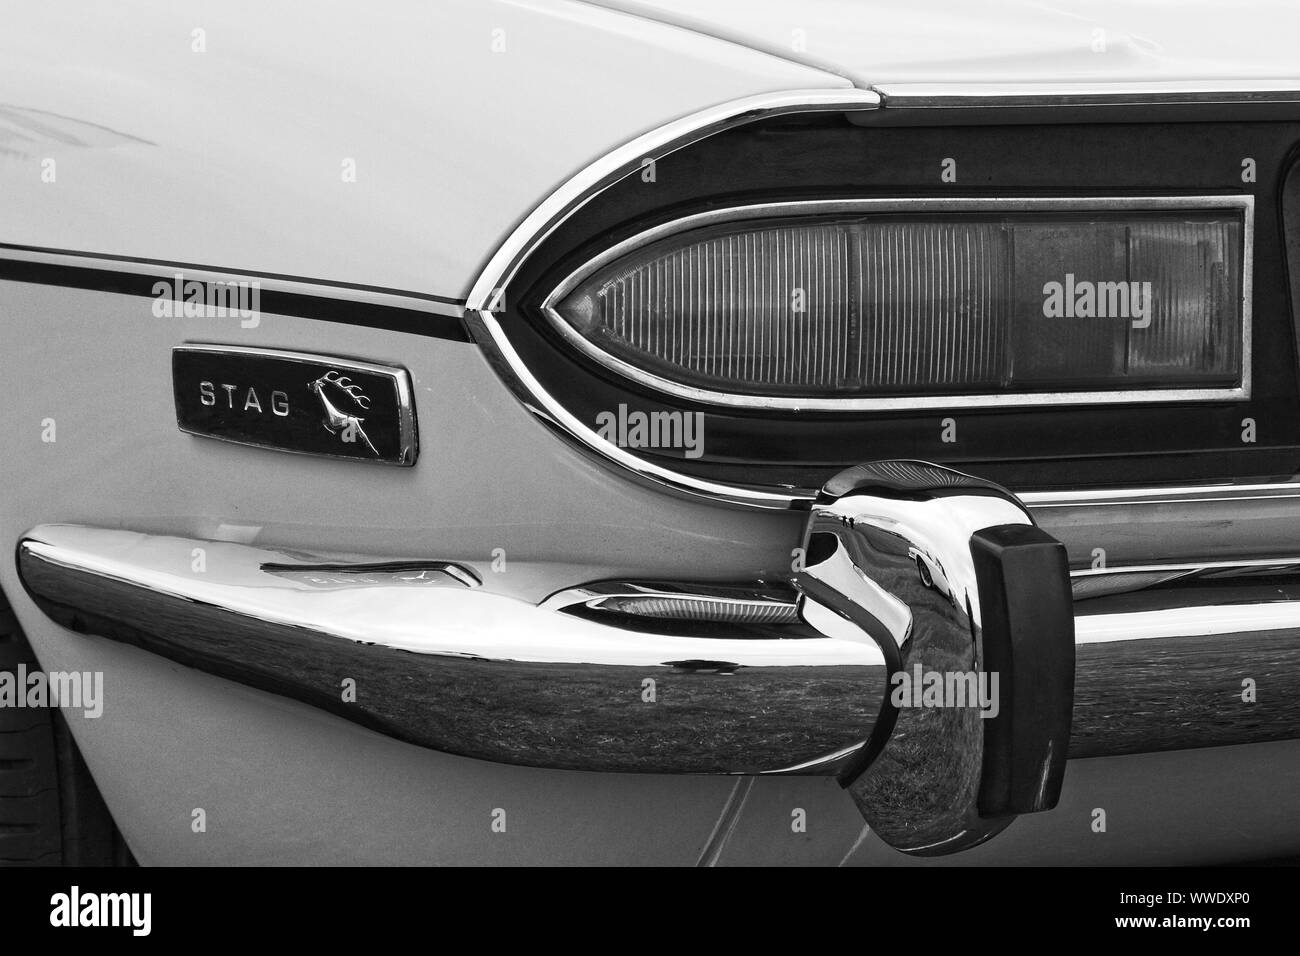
{"type": "Point", "coordinates": [272, 301]}
{"type": "Point", "coordinates": [195, 267]}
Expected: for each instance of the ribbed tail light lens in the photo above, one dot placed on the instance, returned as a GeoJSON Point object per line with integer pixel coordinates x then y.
{"type": "Point", "coordinates": [845, 306]}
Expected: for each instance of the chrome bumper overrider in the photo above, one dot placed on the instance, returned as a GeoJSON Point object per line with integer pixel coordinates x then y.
{"type": "Point", "coordinates": [908, 568]}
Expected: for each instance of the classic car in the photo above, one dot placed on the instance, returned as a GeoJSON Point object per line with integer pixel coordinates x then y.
{"type": "Point", "coordinates": [532, 432]}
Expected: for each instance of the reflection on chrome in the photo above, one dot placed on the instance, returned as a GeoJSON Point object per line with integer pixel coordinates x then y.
{"type": "Point", "coordinates": [1210, 661]}
{"type": "Point", "coordinates": [904, 564]}
{"type": "Point", "coordinates": [909, 553]}
{"type": "Point", "coordinates": [467, 671]}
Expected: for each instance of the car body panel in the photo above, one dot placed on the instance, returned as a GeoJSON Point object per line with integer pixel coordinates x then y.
{"type": "Point", "coordinates": [1025, 43]}
{"type": "Point", "coordinates": [169, 154]}
{"type": "Point", "coordinates": [554, 514]}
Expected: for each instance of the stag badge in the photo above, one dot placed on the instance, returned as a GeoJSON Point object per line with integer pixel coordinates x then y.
{"type": "Point", "coordinates": [296, 402]}
{"type": "Point", "coordinates": [340, 400]}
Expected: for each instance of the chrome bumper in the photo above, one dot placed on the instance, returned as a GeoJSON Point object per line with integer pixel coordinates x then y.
{"type": "Point", "coordinates": [754, 678]}
{"type": "Point", "coordinates": [439, 660]}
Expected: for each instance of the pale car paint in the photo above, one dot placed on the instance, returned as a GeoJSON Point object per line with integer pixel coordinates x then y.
{"type": "Point", "coordinates": [454, 144]}
{"type": "Point", "coordinates": [1130, 44]}
{"type": "Point", "coordinates": [235, 157]}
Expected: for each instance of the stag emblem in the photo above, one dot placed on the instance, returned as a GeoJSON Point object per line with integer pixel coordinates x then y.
{"type": "Point", "coordinates": [341, 400]}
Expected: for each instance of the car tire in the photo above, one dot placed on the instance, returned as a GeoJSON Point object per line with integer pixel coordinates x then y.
{"type": "Point", "coordinates": [51, 812]}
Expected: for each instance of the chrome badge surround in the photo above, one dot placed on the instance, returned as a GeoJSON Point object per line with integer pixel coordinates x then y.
{"type": "Point", "coordinates": [308, 404]}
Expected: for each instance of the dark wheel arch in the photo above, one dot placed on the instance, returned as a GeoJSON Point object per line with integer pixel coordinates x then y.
{"type": "Point", "coordinates": [51, 812]}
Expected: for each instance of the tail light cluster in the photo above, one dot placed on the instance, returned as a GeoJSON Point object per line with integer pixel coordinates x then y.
{"type": "Point", "coordinates": [859, 303]}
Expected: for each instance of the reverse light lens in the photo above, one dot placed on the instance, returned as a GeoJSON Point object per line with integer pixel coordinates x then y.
{"type": "Point", "coordinates": [671, 607]}
{"type": "Point", "coordinates": [878, 305]}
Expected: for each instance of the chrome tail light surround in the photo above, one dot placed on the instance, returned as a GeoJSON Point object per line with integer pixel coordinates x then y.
{"type": "Point", "coordinates": [485, 305]}
{"type": "Point", "coordinates": [799, 211]}
{"type": "Point", "coordinates": [485, 301]}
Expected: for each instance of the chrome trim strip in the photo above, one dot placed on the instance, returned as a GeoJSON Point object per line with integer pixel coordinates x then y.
{"type": "Point", "coordinates": [944, 96]}
{"type": "Point", "coordinates": [1214, 527]}
{"type": "Point", "coordinates": [1160, 528]}
{"type": "Point", "coordinates": [613, 166]}
{"type": "Point", "coordinates": [1246, 204]}
{"type": "Point", "coordinates": [290, 285]}
{"type": "Point", "coordinates": [1160, 495]}
{"type": "Point", "coordinates": [1096, 501]}
{"type": "Point", "coordinates": [483, 300]}
{"type": "Point", "coordinates": [1193, 567]}
{"type": "Point", "coordinates": [542, 404]}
